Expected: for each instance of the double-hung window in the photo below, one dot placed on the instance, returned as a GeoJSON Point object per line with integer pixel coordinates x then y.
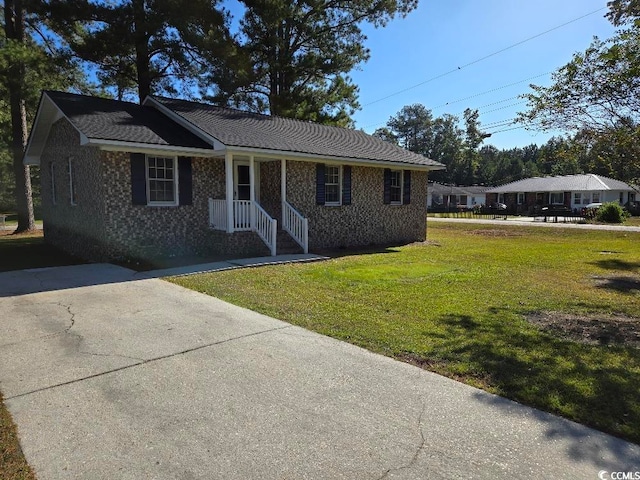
{"type": "Point", "coordinates": [595, 197]}
{"type": "Point", "coordinates": [520, 198]}
{"type": "Point", "coordinates": [577, 198]}
{"type": "Point", "coordinates": [162, 180]}
{"type": "Point", "coordinates": [332, 185]}
{"type": "Point", "coordinates": [395, 187]}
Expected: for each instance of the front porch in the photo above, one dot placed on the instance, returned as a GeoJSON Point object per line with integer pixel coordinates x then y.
{"type": "Point", "coordinates": [248, 180]}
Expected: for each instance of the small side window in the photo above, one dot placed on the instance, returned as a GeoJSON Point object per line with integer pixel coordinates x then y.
{"type": "Point", "coordinates": [52, 173]}
{"type": "Point", "coordinates": [72, 183]}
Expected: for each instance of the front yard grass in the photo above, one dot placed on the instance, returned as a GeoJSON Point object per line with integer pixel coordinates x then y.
{"type": "Point", "coordinates": [467, 305]}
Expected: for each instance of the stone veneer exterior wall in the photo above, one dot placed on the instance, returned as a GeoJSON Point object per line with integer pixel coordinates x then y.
{"type": "Point", "coordinates": [367, 221]}
{"type": "Point", "coordinates": [105, 225]}
{"type": "Point", "coordinates": [78, 229]}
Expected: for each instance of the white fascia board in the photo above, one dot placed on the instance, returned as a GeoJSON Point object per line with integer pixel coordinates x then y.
{"type": "Point", "coordinates": [48, 113]}
{"type": "Point", "coordinates": [180, 120]}
{"type": "Point", "coordinates": [310, 157]}
{"type": "Point", "coordinates": [119, 146]}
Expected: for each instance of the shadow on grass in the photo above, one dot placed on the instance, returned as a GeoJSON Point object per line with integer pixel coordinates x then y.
{"type": "Point", "coordinates": [619, 284]}
{"type": "Point", "coordinates": [596, 386]}
{"type": "Point", "coordinates": [617, 265]}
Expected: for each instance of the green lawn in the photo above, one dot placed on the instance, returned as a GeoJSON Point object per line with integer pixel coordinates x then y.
{"type": "Point", "coordinates": [29, 250]}
{"type": "Point", "coordinates": [459, 306]}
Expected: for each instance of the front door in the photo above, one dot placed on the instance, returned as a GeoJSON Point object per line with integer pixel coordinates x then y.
{"type": "Point", "coordinates": [242, 182]}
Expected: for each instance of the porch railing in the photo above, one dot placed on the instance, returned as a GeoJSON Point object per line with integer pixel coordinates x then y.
{"type": "Point", "coordinates": [218, 214]}
{"type": "Point", "coordinates": [246, 217]}
{"type": "Point", "coordinates": [266, 228]}
{"type": "Point", "coordinates": [242, 215]}
{"type": "Point", "coordinates": [295, 225]}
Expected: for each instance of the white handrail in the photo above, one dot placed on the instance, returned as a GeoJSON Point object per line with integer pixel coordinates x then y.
{"type": "Point", "coordinates": [266, 227]}
{"type": "Point", "coordinates": [295, 225]}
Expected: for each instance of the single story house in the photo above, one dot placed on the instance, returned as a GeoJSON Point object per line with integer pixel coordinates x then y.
{"type": "Point", "coordinates": [450, 196]}
{"type": "Point", "coordinates": [172, 177]}
{"type": "Point", "coordinates": [573, 191]}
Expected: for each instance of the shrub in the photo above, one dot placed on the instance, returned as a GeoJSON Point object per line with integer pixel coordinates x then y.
{"type": "Point", "coordinates": [611, 212]}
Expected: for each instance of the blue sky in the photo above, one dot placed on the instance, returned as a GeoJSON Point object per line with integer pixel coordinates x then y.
{"type": "Point", "coordinates": [442, 35]}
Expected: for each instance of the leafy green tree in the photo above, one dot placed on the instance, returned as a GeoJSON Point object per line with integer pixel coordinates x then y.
{"type": "Point", "coordinates": [29, 63]}
{"type": "Point", "coordinates": [142, 46]}
{"type": "Point", "coordinates": [596, 96]}
{"type": "Point", "coordinates": [296, 56]}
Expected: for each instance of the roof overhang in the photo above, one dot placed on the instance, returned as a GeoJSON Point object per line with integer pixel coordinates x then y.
{"type": "Point", "coordinates": [48, 113]}
{"type": "Point", "coordinates": [312, 157]}
{"type": "Point", "coordinates": [134, 147]}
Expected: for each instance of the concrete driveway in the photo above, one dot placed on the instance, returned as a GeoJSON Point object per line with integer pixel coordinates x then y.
{"type": "Point", "coordinates": [108, 377]}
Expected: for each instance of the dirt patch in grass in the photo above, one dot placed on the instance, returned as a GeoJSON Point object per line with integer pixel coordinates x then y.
{"type": "Point", "coordinates": [616, 330]}
{"type": "Point", "coordinates": [495, 233]}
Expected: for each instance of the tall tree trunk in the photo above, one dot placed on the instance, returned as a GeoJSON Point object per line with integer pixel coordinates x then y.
{"type": "Point", "coordinates": [142, 49]}
{"type": "Point", "coordinates": [14, 30]}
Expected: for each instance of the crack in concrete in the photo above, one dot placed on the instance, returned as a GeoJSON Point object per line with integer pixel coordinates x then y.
{"type": "Point", "coordinates": [144, 362]}
{"type": "Point", "coordinates": [72, 322]}
{"type": "Point", "coordinates": [111, 355]}
{"type": "Point", "coordinates": [416, 454]}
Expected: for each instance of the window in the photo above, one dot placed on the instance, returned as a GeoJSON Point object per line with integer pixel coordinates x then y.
{"type": "Point", "coordinates": [577, 198]}
{"type": "Point", "coordinates": [556, 198]}
{"type": "Point", "coordinates": [72, 184]}
{"type": "Point", "coordinates": [596, 197]}
{"type": "Point", "coordinates": [501, 198]}
{"type": "Point", "coordinates": [162, 181]}
{"type": "Point", "coordinates": [396, 187]}
{"type": "Point", "coordinates": [521, 199]}
{"type": "Point", "coordinates": [52, 172]}
{"type": "Point", "coordinates": [332, 185]}
{"type": "Point", "coordinates": [463, 200]}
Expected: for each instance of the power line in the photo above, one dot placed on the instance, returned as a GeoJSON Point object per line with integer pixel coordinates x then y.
{"type": "Point", "coordinates": [484, 58]}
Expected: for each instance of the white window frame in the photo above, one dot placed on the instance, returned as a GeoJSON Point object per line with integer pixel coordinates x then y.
{"type": "Point", "coordinates": [148, 180]}
{"type": "Point", "coordinates": [339, 184]}
{"type": "Point", "coordinates": [521, 198]}
{"type": "Point", "coordinates": [595, 197]}
{"type": "Point", "coordinates": [52, 172]}
{"type": "Point", "coordinates": [400, 187]}
{"type": "Point", "coordinates": [552, 194]}
{"type": "Point", "coordinates": [577, 198]}
{"type": "Point", "coordinates": [72, 186]}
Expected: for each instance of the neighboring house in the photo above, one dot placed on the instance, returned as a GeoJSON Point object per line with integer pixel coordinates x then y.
{"type": "Point", "coordinates": [573, 191]}
{"type": "Point", "coordinates": [172, 177]}
{"type": "Point", "coordinates": [448, 196]}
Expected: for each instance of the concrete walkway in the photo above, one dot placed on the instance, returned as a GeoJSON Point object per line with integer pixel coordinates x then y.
{"type": "Point", "coordinates": [529, 222]}
{"type": "Point", "coordinates": [229, 265]}
{"type": "Point", "coordinates": [109, 377]}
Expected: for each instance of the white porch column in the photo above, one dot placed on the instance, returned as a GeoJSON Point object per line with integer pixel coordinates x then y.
{"type": "Point", "coordinates": [252, 192]}
{"type": "Point", "coordinates": [228, 172]}
{"type": "Point", "coordinates": [283, 185]}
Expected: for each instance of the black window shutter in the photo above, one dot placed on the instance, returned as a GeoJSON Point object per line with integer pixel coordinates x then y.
{"type": "Point", "coordinates": [320, 184]}
{"type": "Point", "coordinates": [185, 182]}
{"type": "Point", "coordinates": [387, 186]}
{"type": "Point", "coordinates": [406, 190]}
{"type": "Point", "coordinates": [138, 179]}
{"type": "Point", "coordinates": [346, 185]}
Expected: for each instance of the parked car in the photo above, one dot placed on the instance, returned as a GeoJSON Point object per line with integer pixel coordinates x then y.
{"type": "Point", "coordinates": [590, 210]}
{"type": "Point", "coordinates": [633, 207]}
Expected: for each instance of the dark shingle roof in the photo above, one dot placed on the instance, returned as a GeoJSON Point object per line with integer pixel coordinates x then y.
{"type": "Point", "coordinates": [104, 119]}
{"type": "Point", "coordinates": [565, 183]}
{"type": "Point", "coordinates": [238, 128]}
